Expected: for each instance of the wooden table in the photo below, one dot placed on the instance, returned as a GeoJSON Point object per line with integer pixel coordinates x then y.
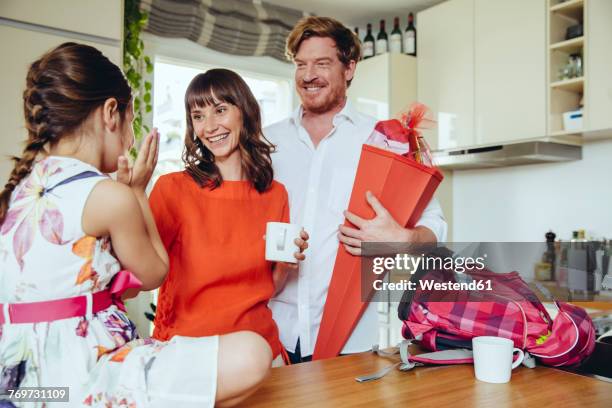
{"type": "Point", "coordinates": [331, 383]}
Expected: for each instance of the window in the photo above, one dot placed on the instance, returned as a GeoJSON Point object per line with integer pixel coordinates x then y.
{"type": "Point", "coordinates": [171, 80]}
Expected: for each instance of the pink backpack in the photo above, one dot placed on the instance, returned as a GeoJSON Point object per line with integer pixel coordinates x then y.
{"type": "Point", "coordinates": [445, 323]}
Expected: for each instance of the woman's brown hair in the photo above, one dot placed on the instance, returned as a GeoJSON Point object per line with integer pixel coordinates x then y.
{"type": "Point", "coordinates": [347, 44]}
{"type": "Point", "coordinates": [223, 85]}
{"type": "Point", "coordinates": [63, 87]}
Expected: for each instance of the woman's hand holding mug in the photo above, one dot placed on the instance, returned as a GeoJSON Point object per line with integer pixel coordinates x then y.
{"type": "Point", "coordinates": [286, 243]}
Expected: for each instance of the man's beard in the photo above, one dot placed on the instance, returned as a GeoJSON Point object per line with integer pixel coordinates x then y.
{"type": "Point", "coordinates": [335, 98]}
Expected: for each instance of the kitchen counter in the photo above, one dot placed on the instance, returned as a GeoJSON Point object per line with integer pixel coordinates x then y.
{"type": "Point", "coordinates": [331, 383]}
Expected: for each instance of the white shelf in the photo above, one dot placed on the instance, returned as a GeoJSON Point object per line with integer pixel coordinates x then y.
{"type": "Point", "coordinates": [572, 9]}
{"type": "Point", "coordinates": [565, 133]}
{"type": "Point", "coordinates": [569, 46]}
{"type": "Point", "coordinates": [572, 85]}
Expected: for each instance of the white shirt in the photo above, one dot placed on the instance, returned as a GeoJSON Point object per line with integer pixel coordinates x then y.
{"type": "Point", "coordinates": [319, 183]}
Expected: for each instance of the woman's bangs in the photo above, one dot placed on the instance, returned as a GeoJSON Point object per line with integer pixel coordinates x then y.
{"type": "Point", "coordinates": [203, 92]}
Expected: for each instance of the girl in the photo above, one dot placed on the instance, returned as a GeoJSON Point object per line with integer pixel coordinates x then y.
{"type": "Point", "coordinates": [212, 217]}
{"type": "Point", "coordinates": [67, 231]}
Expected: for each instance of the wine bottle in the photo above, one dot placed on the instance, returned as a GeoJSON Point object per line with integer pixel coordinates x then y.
{"type": "Point", "coordinates": [381, 40]}
{"type": "Point", "coordinates": [395, 39]}
{"type": "Point", "coordinates": [358, 40]}
{"type": "Point", "coordinates": [368, 43]}
{"type": "Point", "coordinates": [410, 37]}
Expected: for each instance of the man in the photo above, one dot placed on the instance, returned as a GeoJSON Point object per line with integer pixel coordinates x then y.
{"type": "Point", "coordinates": [318, 151]}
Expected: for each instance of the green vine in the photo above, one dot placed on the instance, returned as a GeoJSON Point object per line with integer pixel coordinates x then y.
{"type": "Point", "coordinates": [135, 62]}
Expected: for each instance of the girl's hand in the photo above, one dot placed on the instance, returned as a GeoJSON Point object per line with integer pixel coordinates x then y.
{"type": "Point", "coordinates": [138, 176]}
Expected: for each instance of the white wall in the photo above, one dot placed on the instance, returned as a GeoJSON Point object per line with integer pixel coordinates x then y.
{"type": "Point", "coordinates": [520, 204]}
{"type": "Point", "coordinates": [27, 30]}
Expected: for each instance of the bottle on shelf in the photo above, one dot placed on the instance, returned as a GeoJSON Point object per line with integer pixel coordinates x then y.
{"type": "Point", "coordinates": [368, 43]}
{"type": "Point", "coordinates": [576, 61]}
{"type": "Point", "coordinates": [382, 45]}
{"type": "Point", "coordinates": [582, 240]}
{"type": "Point", "coordinates": [356, 31]}
{"type": "Point", "coordinates": [579, 280]}
{"type": "Point", "coordinates": [598, 264]}
{"type": "Point", "coordinates": [551, 256]}
{"type": "Point", "coordinates": [395, 40]}
{"type": "Point", "coordinates": [545, 269]}
{"type": "Point", "coordinates": [410, 37]}
{"type": "Point", "coordinates": [561, 268]}
{"type": "Point", "coordinates": [574, 239]}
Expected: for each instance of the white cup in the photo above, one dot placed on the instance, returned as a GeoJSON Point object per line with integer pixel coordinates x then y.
{"type": "Point", "coordinates": [280, 245]}
{"type": "Point", "coordinates": [493, 358]}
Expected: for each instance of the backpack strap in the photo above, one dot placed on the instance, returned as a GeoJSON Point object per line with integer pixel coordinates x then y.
{"type": "Point", "coordinates": [408, 362]}
{"type": "Point", "coordinates": [443, 357]}
{"type": "Point", "coordinates": [377, 375]}
{"type": "Point", "coordinates": [404, 364]}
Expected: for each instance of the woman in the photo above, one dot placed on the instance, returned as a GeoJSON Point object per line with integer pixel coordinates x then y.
{"type": "Point", "coordinates": [213, 215]}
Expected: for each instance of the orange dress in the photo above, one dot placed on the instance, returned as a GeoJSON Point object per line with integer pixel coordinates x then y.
{"type": "Point", "coordinates": [219, 281]}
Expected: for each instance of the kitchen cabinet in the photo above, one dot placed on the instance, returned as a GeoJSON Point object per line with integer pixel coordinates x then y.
{"type": "Point", "coordinates": [445, 69]}
{"type": "Point", "coordinates": [592, 90]}
{"type": "Point", "coordinates": [598, 66]}
{"type": "Point", "coordinates": [384, 85]}
{"type": "Point", "coordinates": [509, 70]}
{"type": "Point", "coordinates": [482, 69]}
{"type": "Point", "coordinates": [564, 94]}
{"type": "Point", "coordinates": [489, 69]}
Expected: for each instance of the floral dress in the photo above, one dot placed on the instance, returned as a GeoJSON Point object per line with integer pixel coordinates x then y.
{"type": "Point", "coordinates": [45, 255]}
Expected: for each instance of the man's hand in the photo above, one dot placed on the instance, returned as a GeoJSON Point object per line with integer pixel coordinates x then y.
{"type": "Point", "coordinates": [381, 228]}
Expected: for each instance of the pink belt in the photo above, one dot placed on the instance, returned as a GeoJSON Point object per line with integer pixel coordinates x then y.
{"type": "Point", "coordinates": [86, 305]}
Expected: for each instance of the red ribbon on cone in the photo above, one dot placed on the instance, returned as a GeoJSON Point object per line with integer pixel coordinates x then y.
{"type": "Point", "coordinates": [408, 130]}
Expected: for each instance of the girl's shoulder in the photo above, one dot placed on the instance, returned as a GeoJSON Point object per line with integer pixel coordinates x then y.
{"type": "Point", "coordinates": [110, 203]}
{"type": "Point", "coordinates": [111, 196]}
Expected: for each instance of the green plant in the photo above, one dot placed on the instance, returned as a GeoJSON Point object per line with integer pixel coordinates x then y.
{"type": "Point", "coordinates": [135, 63]}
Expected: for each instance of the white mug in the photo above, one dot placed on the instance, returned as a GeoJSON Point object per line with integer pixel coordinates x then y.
{"type": "Point", "coordinates": [280, 245]}
{"type": "Point", "coordinates": [493, 358]}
